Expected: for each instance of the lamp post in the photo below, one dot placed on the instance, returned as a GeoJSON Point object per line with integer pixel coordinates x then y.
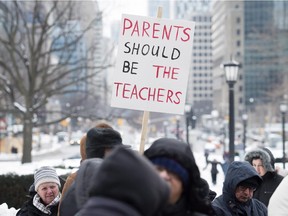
{"type": "Point", "coordinates": [178, 127]}
{"type": "Point", "coordinates": [244, 118]}
{"type": "Point", "coordinates": [165, 124]}
{"type": "Point", "coordinates": [231, 72]}
{"type": "Point", "coordinates": [283, 109]}
{"type": "Point", "coordinates": [188, 116]}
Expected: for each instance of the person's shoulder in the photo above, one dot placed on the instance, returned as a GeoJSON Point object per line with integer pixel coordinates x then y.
{"type": "Point", "coordinates": [259, 205]}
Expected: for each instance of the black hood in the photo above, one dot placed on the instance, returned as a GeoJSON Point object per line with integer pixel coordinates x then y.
{"type": "Point", "coordinates": [130, 178]}
{"type": "Point", "coordinates": [237, 172]}
{"type": "Point", "coordinates": [198, 190]}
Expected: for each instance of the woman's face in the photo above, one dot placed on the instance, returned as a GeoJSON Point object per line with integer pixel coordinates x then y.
{"type": "Point", "coordinates": [176, 187]}
{"type": "Point", "coordinates": [48, 192]}
{"type": "Point", "coordinates": [258, 165]}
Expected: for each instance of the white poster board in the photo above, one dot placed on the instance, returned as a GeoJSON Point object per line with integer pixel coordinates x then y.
{"type": "Point", "coordinates": [153, 63]}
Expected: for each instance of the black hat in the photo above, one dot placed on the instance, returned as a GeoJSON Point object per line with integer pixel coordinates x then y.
{"type": "Point", "coordinates": [253, 182]}
{"type": "Point", "coordinates": [98, 139]}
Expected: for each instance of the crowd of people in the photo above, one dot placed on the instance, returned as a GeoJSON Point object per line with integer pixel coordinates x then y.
{"type": "Point", "coordinates": [165, 181]}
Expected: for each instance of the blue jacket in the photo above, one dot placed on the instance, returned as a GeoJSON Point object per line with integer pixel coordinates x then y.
{"type": "Point", "coordinates": [227, 204]}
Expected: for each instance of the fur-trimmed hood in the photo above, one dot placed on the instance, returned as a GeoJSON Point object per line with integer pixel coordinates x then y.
{"type": "Point", "coordinates": [260, 154]}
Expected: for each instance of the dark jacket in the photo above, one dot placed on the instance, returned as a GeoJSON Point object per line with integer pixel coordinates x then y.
{"type": "Point", "coordinates": [79, 188]}
{"type": "Point", "coordinates": [271, 179]}
{"type": "Point", "coordinates": [126, 184]}
{"type": "Point", "coordinates": [227, 204]}
{"type": "Point", "coordinates": [28, 209]}
{"type": "Point", "coordinates": [197, 192]}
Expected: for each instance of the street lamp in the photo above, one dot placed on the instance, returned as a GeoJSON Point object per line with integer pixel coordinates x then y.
{"type": "Point", "coordinates": [231, 72]}
{"type": "Point", "coordinates": [244, 118]}
{"type": "Point", "coordinates": [165, 124]}
{"type": "Point", "coordinates": [178, 127]}
{"type": "Point", "coordinates": [188, 116]}
{"type": "Point", "coordinates": [283, 109]}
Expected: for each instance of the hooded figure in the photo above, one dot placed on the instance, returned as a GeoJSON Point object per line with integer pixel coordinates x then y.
{"type": "Point", "coordinates": [240, 176]}
{"type": "Point", "coordinates": [261, 161]}
{"type": "Point", "coordinates": [125, 184]}
{"type": "Point", "coordinates": [77, 194]}
{"type": "Point", "coordinates": [176, 157]}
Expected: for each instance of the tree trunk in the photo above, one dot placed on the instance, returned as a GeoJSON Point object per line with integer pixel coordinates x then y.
{"type": "Point", "coordinates": [27, 138]}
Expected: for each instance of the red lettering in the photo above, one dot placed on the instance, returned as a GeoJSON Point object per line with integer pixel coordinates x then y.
{"type": "Point", "coordinates": [185, 31]}
{"type": "Point", "coordinates": [166, 33]}
{"type": "Point", "coordinates": [176, 94]}
{"type": "Point", "coordinates": [166, 72]}
{"type": "Point", "coordinates": [126, 90]}
{"type": "Point", "coordinates": [135, 29]}
{"type": "Point", "coordinates": [160, 95]}
{"type": "Point", "coordinates": [140, 93]}
{"type": "Point", "coordinates": [146, 26]}
{"type": "Point", "coordinates": [169, 96]}
{"type": "Point", "coordinates": [117, 87]}
{"type": "Point", "coordinates": [128, 26]}
{"type": "Point", "coordinates": [155, 30]}
{"type": "Point", "coordinates": [134, 92]}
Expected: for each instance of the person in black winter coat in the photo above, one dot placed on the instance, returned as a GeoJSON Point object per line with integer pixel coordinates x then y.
{"type": "Point", "coordinates": [175, 163]}
{"type": "Point", "coordinates": [46, 199]}
{"type": "Point", "coordinates": [261, 161]}
{"type": "Point", "coordinates": [86, 176]}
{"type": "Point", "coordinates": [125, 184]}
{"type": "Point", "coordinates": [237, 193]}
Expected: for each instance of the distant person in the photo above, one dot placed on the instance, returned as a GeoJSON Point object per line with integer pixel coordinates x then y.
{"type": "Point", "coordinates": [100, 140]}
{"type": "Point", "coordinates": [278, 204]}
{"type": "Point", "coordinates": [190, 194]}
{"type": "Point", "coordinates": [46, 199]}
{"type": "Point", "coordinates": [237, 194]}
{"type": "Point", "coordinates": [261, 161]}
{"type": "Point", "coordinates": [125, 184]}
{"type": "Point", "coordinates": [214, 170]}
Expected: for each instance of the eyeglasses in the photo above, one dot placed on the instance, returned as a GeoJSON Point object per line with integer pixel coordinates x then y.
{"type": "Point", "coordinates": [244, 188]}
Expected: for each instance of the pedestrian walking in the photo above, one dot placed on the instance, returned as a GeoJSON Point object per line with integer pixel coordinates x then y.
{"type": "Point", "coordinates": [214, 170]}
{"type": "Point", "coordinates": [237, 193]}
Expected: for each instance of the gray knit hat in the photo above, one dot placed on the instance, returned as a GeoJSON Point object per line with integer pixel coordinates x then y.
{"type": "Point", "coordinates": [45, 174]}
{"type": "Point", "coordinates": [260, 154]}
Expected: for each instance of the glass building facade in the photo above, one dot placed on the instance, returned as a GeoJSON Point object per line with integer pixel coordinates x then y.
{"type": "Point", "coordinates": [265, 48]}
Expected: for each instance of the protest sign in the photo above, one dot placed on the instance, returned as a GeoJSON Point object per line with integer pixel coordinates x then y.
{"type": "Point", "coordinates": [153, 64]}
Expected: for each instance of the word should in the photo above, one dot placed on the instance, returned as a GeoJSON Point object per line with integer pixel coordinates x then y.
{"type": "Point", "coordinates": [136, 49]}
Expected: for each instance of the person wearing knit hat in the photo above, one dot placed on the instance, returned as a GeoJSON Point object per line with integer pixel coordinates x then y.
{"type": "Point", "coordinates": [96, 143]}
{"type": "Point", "coordinates": [47, 197]}
{"type": "Point", "coordinates": [175, 163]}
{"type": "Point", "coordinates": [260, 159]}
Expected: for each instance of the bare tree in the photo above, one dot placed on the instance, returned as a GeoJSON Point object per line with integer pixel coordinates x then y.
{"type": "Point", "coordinates": [38, 43]}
